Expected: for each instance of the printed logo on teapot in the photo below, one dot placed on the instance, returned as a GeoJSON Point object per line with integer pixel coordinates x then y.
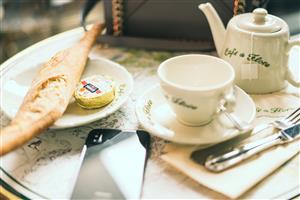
{"type": "Point", "coordinates": [256, 58]}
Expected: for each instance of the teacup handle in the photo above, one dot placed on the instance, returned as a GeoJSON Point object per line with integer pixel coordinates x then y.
{"type": "Point", "coordinates": [289, 76]}
{"type": "Point", "coordinates": [230, 100]}
{"type": "Point", "coordinates": [227, 102]}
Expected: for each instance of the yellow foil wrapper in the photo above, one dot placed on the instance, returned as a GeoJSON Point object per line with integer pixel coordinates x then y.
{"type": "Point", "coordinates": [95, 92]}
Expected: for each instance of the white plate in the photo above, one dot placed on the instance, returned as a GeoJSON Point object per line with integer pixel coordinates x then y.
{"type": "Point", "coordinates": [157, 118]}
{"type": "Point", "coordinates": [16, 81]}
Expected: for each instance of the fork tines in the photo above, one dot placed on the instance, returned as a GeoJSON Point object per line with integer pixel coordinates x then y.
{"type": "Point", "coordinates": [294, 116]}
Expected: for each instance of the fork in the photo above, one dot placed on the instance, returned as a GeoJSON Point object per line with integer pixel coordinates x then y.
{"type": "Point", "coordinates": [280, 124]}
{"type": "Point", "coordinates": [225, 160]}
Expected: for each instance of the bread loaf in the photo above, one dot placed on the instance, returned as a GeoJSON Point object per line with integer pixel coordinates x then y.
{"type": "Point", "coordinates": [49, 94]}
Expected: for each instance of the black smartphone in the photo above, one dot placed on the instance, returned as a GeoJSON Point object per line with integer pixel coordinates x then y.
{"type": "Point", "coordinates": [112, 164]}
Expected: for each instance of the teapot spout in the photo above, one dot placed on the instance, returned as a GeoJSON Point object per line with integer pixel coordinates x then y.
{"type": "Point", "coordinates": [216, 25]}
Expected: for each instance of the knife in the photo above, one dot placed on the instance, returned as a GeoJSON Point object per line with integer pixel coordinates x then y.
{"type": "Point", "coordinates": [112, 165]}
{"type": "Point", "coordinates": [217, 163]}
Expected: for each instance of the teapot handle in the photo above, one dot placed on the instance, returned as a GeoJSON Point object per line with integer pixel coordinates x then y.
{"type": "Point", "coordinates": [289, 76]}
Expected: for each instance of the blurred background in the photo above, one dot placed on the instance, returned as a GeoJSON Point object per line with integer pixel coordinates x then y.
{"type": "Point", "coordinates": [25, 22]}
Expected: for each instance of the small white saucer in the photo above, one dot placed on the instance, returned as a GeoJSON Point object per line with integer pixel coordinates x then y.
{"type": "Point", "coordinates": [16, 81]}
{"type": "Point", "coordinates": [157, 118]}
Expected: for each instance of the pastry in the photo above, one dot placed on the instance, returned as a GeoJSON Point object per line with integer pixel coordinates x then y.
{"type": "Point", "coordinates": [49, 94]}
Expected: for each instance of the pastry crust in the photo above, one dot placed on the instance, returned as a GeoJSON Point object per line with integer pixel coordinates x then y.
{"type": "Point", "coordinates": [49, 94]}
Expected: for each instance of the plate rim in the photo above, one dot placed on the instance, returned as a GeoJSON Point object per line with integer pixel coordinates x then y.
{"type": "Point", "coordinates": [155, 133]}
{"type": "Point", "coordinates": [39, 44]}
{"type": "Point", "coordinates": [21, 189]}
{"type": "Point", "coordinates": [10, 63]}
{"type": "Point", "coordinates": [121, 102]}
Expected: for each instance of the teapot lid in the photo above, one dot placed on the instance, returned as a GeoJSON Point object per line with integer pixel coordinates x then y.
{"type": "Point", "coordinates": [259, 21]}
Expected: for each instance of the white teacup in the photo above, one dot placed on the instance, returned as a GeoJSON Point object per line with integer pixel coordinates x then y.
{"type": "Point", "coordinates": [196, 85]}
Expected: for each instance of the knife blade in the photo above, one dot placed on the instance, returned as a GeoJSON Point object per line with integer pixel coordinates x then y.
{"type": "Point", "coordinates": [217, 163]}
{"type": "Point", "coordinates": [200, 155]}
{"type": "Point", "coordinates": [112, 165]}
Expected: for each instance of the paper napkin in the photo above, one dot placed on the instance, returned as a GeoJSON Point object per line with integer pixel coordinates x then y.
{"type": "Point", "coordinates": [239, 179]}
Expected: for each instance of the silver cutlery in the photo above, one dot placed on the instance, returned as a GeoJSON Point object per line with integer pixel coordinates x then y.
{"type": "Point", "coordinates": [280, 124]}
{"type": "Point", "coordinates": [222, 162]}
{"type": "Point", "coordinates": [200, 156]}
{"type": "Point", "coordinates": [241, 125]}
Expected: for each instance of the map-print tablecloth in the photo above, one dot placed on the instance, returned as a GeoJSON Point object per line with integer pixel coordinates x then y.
{"type": "Point", "coordinates": [45, 166]}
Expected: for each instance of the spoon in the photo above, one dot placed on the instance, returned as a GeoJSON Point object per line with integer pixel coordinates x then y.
{"type": "Point", "coordinates": [241, 125]}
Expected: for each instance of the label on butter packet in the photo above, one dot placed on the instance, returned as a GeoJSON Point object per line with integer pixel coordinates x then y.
{"type": "Point", "coordinates": [94, 86]}
{"type": "Point", "coordinates": [95, 91]}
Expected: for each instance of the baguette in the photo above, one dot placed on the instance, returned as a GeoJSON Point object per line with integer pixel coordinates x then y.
{"type": "Point", "coordinates": [49, 94]}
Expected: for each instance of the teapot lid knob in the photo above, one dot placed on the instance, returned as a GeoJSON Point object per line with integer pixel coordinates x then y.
{"type": "Point", "coordinates": [259, 21]}
{"type": "Point", "coordinates": [260, 15]}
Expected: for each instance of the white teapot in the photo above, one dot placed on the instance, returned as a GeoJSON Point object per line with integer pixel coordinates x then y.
{"type": "Point", "coordinates": [257, 46]}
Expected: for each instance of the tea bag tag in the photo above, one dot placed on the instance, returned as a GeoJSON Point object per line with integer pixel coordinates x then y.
{"type": "Point", "coordinates": [249, 71]}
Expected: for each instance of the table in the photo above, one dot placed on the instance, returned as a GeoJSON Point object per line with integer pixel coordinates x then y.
{"type": "Point", "coordinates": [44, 168]}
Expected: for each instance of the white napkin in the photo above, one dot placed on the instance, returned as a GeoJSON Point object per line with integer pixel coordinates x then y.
{"type": "Point", "coordinates": [233, 182]}
{"type": "Point", "coordinates": [237, 180]}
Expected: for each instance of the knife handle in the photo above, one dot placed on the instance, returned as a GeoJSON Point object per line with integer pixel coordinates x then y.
{"type": "Point", "coordinates": [224, 161]}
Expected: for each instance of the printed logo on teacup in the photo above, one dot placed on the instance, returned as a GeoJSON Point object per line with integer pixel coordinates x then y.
{"type": "Point", "coordinates": [180, 102]}
{"type": "Point", "coordinates": [252, 57]}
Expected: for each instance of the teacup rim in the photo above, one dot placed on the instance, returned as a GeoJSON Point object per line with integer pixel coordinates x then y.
{"type": "Point", "coordinates": [206, 88]}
